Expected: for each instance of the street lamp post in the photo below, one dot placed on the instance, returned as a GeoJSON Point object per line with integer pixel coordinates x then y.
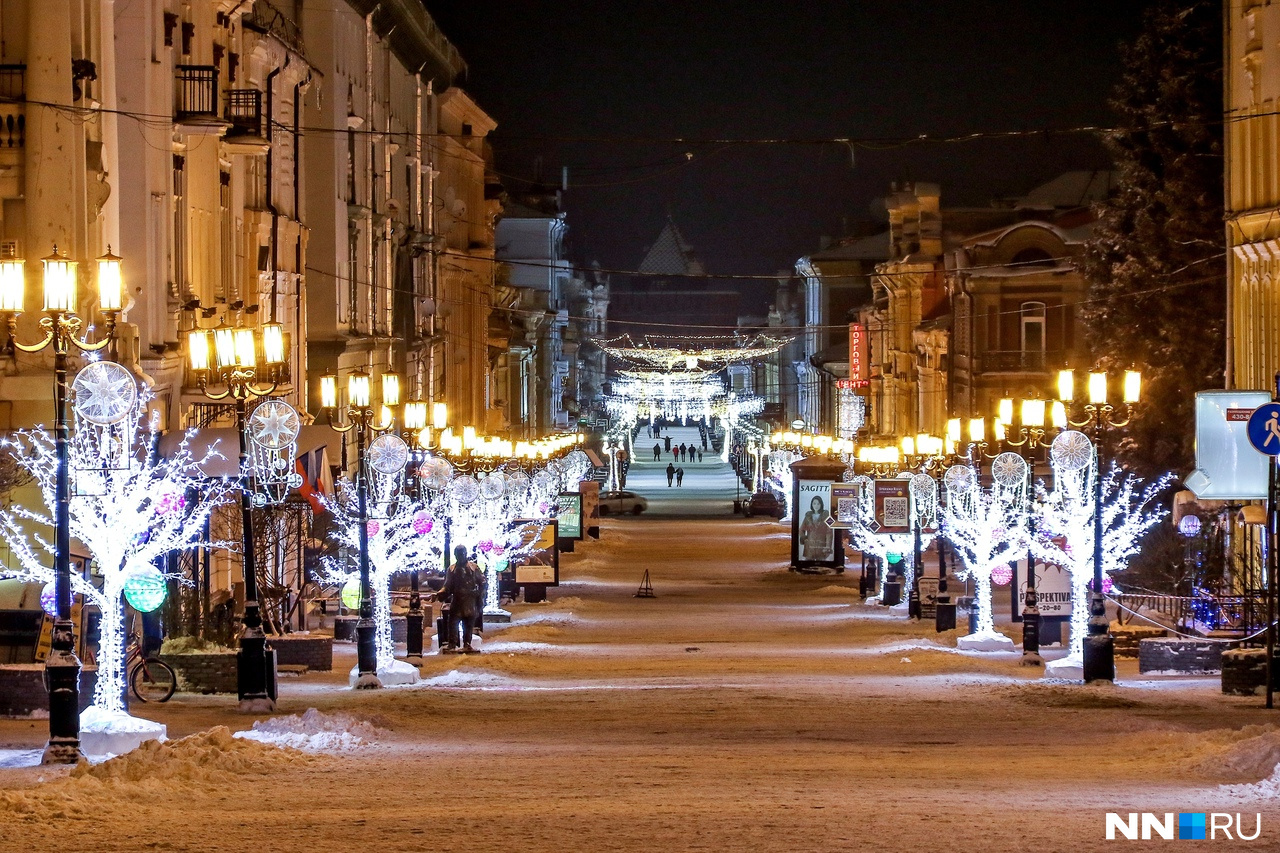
{"type": "Point", "coordinates": [360, 416]}
{"type": "Point", "coordinates": [1099, 645]}
{"type": "Point", "coordinates": [61, 329]}
{"type": "Point", "coordinates": [232, 362]}
{"type": "Point", "coordinates": [1026, 420]}
{"type": "Point", "coordinates": [417, 433]}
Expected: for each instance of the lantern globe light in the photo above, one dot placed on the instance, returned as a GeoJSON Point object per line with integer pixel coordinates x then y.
{"type": "Point", "coordinates": [1004, 412]}
{"type": "Point", "coordinates": [908, 445]}
{"type": "Point", "coordinates": [388, 417]}
{"type": "Point", "coordinates": [329, 391]}
{"type": "Point", "coordinates": [246, 348]}
{"type": "Point", "coordinates": [1132, 386]}
{"type": "Point", "coordinates": [273, 343]}
{"type": "Point", "coordinates": [110, 282]}
{"type": "Point", "coordinates": [1001, 430]}
{"type": "Point", "coordinates": [13, 285]}
{"type": "Point", "coordinates": [977, 429]}
{"type": "Point", "coordinates": [59, 283]}
{"type": "Point", "coordinates": [390, 388]}
{"type": "Point", "coordinates": [1098, 388]}
{"type": "Point", "coordinates": [415, 415]}
{"type": "Point", "coordinates": [358, 389]}
{"type": "Point", "coordinates": [1066, 385]}
{"type": "Point", "coordinates": [198, 349]}
{"type": "Point", "coordinates": [1033, 413]}
{"type": "Point", "coordinates": [224, 345]}
{"type": "Point", "coordinates": [440, 415]}
{"type": "Point", "coordinates": [1059, 415]}
{"type": "Point", "coordinates": [953, 430]}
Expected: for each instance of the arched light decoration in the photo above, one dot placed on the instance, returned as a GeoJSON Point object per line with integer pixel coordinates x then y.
{"type": "Point", "coordinates": [358, 389]}
{"type": "Point", "coordinates": [13, 285]}
{"type": "Point", "coordinates": [59, 283]}
{"type": "Point", "coordinates": [110, 282]}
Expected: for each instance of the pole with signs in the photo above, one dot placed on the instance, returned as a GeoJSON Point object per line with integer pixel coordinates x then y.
{"type": "Point", "coordinates": [1264, 435]}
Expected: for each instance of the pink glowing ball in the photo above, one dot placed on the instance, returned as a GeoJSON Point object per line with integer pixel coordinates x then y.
{"type": "Point", "coordinates": [1002, 575]}
{"type": "Point", "coordinates": [422, 524]}
{"type": "Point", "coordinates": [373, 527]}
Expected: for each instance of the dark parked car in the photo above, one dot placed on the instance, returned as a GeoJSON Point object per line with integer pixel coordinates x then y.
{"type": "Point", "coordinates": [763, 503]}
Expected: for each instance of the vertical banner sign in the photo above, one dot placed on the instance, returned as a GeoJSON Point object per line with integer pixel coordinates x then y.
{"type": "Point", "coordinates": [893, 506]}
{"type": "Point", "coordinates": [542, 566]}
{"type": "Point", "coordinates": [858, 356]}
{"type": "Point", "coordinates": [590, 491]}
{"type": "Point", "coordinates": [817, 539]}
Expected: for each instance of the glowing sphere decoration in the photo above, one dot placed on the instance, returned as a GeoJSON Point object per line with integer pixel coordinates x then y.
{"type": "Point", "coordinates": [435, 473]}
{"type": "Point", "coordinates": [373, 527]}
{"type": "Point", "coordinates": [351, 594]}
{"type": "Point", "coordinates": [894, 559]}
{"type": "Point", "coordinates": [492, 487]}
{"type": "Point", "coordinates": [1189, 525]}
{"type": "Point", "coordinates": [49, 598]}
{"type": "Point", "coordinates": [465, 490]}
{"type": "Point", "coordinates": [1001, 575]}
{"type": "Point", "coordinates": [146, 590]}
{"type": "Point", "coordinates": [422, 523]}
{"type": "Point", "coordinates": [171, 502]}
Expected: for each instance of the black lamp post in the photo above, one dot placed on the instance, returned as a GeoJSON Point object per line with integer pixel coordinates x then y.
{"type": "Point", "coordinates": [1099, 645]}
{"type": "Point", "coordinates": [61, 329]}
{"type": "Point", "coordinates": [360, 417]}
{"type": "Point", "coordinates": [418, 435]}
{"type": "Point", "coordinates": [234, 367]}
{"type": "Point", "coordinates": [1026, 420]}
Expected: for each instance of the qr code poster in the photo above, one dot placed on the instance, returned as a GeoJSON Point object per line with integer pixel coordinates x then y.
{"type": "Point", "coordinates": [847, 510]}
{"type": "Point", "coordinates": [896, 512]}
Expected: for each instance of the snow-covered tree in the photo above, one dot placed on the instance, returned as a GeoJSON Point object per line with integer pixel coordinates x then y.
{"type": "Point", "coordinates": [780, 477]}
{"type": "Point", "coordinates": [129, 507]}
{"type": "Point", "coordinates": [405, 535]}
{"type": "Point", "coordinates": [863, 537]}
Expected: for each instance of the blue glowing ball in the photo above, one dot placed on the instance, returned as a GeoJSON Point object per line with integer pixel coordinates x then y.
{"type": "Point", "coordinates": [145, 591]}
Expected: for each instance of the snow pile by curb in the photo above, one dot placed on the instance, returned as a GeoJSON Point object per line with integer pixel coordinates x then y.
{"type": "Point", "coordinates": [107, 733]}
{"type": "Point", "coordinates": [314, 732]}
{"type": "Point", "coordinates": [1267, 789]}
{"type": "Point", "coordinates": [465, 678]}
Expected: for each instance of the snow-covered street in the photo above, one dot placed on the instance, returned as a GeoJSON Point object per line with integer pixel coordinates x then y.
{"type": "Point", "coordinates": [743, 708]}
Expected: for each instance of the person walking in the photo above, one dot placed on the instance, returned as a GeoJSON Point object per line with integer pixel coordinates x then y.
{"type": "Point", "coordinates": [680, 477]}
{"type": "Point", "coordinates": [463, 590]}
{"type": "Point", "coordinates": [699, 455]}
{"type": "Point", "coordinates": [657, 451]}
{"type": "Point", "coordinates": [683, 451]}
{"type": "Point", "coordinates": [671, 473]}
{"type": "Point", "coordinates": [667, 440]}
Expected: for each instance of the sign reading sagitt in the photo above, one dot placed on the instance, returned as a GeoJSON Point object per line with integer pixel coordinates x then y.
{"type": "Point", "coordinates": [893, 506]}
{"type": "Point", "coordinates": [858, 359]}
{"type": "Point", "coordinates": [817, 541]}
{"type": "Point", "coordinates": [569, 514]}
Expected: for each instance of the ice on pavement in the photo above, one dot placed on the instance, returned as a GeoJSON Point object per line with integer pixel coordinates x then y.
{"type": "Point", "coordinates": [315, 731]}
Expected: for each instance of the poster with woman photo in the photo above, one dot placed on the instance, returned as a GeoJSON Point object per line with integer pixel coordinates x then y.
{"type": "Point", "coordinates": [817, 539]}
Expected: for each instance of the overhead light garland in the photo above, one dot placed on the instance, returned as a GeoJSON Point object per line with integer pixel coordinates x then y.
{"type": "Point", "coordinates": [691, 353]}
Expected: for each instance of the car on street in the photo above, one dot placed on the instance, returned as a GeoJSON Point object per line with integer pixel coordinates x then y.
{"type": "Point", "coordinates": [619, 502]}
{"type": "Point", "coordinates": [763, 503]}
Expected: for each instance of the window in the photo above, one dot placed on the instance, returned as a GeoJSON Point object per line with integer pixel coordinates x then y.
{"type": "Point", "coordinates": [1033, 344]}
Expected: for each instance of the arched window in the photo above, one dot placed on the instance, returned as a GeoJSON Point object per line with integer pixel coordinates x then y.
{"type": "Point", "coordinates": [1033, 257]}
{"type": "Point", "coordinates": [1033, 342]}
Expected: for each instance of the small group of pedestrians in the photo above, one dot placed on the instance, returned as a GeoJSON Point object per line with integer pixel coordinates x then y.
{"type": "Point", "coordinates": [681, 453]}
{"type": "Point", "coordinates": [676, 474]}
{"type": "Point", "coordinates": [464, 593]}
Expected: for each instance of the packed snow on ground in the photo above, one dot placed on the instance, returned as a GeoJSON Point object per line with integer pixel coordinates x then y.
{"type": "Point", "coordinates": [115, 732]}
{"type": "Point", "coordinates": [399, 672]}
{"type": "Point", "coordinates": [314, 731]}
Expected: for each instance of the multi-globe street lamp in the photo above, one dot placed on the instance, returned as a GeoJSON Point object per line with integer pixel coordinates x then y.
{"type": "Point", "coordinates": [231, 363]}
{"type": "Point", "coordinates": [362, 417]}
{"type": "Point", "coordinates": [417, 433]}
{"type": "Point", "coordinates": [61, 329]}
{"type": "Point", "coordinates": [1099, 416]}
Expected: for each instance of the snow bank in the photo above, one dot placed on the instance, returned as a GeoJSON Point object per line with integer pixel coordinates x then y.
{"type": "Point", "coordinates": [834, 589]}
{"type": "Point", "coordinates": [399, 672]}
{"type": "Point", "coordinates": [315, 732]}
{"type": "Point", "coordinates": [1267, 789]}
{"type": "Point", "coordinates": [985, 642]}
{"type": "Point", "coordinates": [116, 732]}
{"type": "Point", "coordinates": [468, 679]}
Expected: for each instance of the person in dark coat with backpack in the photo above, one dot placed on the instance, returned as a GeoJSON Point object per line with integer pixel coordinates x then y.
{"type": "Point", "coordinates": [463, 588]}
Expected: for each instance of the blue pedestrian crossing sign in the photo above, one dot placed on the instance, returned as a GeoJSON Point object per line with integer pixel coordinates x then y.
{"type": "Point", "coordinates": [1264, 429]}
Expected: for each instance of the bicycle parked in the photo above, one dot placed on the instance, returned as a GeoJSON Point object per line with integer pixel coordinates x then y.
{"type": "Point", "coordinates": [150, 679]}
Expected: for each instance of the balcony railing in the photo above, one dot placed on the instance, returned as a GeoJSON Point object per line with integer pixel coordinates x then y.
{"type": "Point", "coordinates": [1018, 361]}
{"type": "Point", "coordinates": [197, 92]}
{"type": "Point", "coordinates": [13, 82]}
{"type": "Point", "coordinates": [244, 111]}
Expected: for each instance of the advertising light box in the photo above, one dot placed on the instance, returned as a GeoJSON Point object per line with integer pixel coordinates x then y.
{"type": "Point", "coordinates": [1227, 466]}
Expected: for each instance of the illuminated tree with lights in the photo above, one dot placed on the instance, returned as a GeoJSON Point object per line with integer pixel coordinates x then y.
{"type": "Point", "coordinates": [987, 527]}
{"type": "Point", "coordinates": [129, 507]}
{"type": "Point", "coordinates": [405, 535]}
{"type": "Point", "coordinates": [1066, 527]}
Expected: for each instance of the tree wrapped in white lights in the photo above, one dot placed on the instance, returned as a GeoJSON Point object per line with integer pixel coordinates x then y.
{"type": "Point", "coordinates": [129, 507]}
{"type": "Point", "coordinates": [780, 476]}
{"type": "Point", "coordinates": [987, 528]}
{"type": "Point", "coordinates": [405, 535]}
{"type": "Point", "coordinates": [1065, 535]}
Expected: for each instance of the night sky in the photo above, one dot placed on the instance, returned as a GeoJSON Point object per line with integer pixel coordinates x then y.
{"type": "Point", "coordinates": [551, 73]}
